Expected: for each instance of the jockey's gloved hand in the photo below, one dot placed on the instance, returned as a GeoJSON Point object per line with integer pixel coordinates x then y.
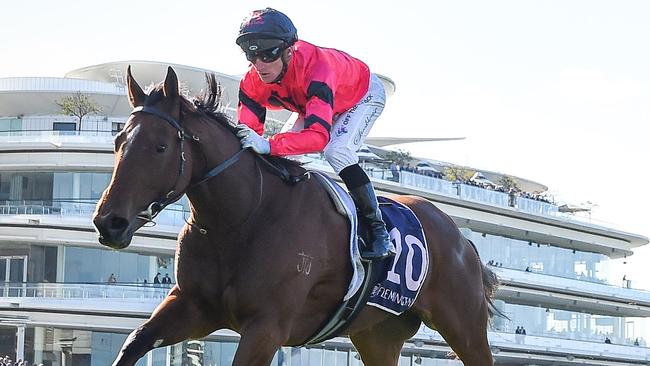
{"type": "Point", "coordinates": [250, 138]}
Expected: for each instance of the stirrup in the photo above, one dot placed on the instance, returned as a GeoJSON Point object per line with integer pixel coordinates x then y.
{"type": "Point", "coordinates": [386, 252]}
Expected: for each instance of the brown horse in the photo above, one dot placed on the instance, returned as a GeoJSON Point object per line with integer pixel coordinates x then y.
{"type": "Point", "coordinates": [237, 258]}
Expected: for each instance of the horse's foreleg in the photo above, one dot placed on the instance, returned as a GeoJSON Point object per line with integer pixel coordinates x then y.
{"type": "Point", "coordinates": [176, 319]}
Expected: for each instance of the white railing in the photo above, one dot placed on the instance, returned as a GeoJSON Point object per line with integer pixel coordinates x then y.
{"type": "Point", "coordinates": [428, 183]}
{"type": "Point", "coordinates": [459, 190]}
{"type": "Point", "coordinates": [479, 194]}
{"type": "Point", "coordinates": [84, 291]}
{"type": "Point", "coordinates": [60, 85]}
{"type": "Point", "coordinates": [538, 207]}
{"type": "Point", "coordinates": [58, 138]}
{"type": "Point", "coordinates": [569, 344]}
{"type": "Point", "coordinates": [172, 215]}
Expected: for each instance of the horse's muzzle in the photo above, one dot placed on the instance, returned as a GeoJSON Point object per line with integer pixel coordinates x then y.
{"type": "Point", "coordinates": [114, 231]}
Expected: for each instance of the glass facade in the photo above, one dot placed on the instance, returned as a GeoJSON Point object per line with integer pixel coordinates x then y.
{"type": "Point", "coordinates": [87, 265]}
{"type": "Point", "coordinates": [540, 257]}
{"type": "Point", "coordinates": [38, 264]}
{"type": "Point", "coordinates": [65, 193]}
{"type": "Point", "coordinates": [544, 259]}
{"type": "Point", "coordinates": [561, 324]}
{"type": "Point", "coordinates": [52, 188]}
{"type": "Point", "coordinates": [11, 124]}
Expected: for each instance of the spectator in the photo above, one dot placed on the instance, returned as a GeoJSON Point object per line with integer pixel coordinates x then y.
{"type": "Point", "coordinates": [394, 171]}
{"type": "Point", "coordinates": [636, 342]}
{"type": "Point", "coordinates": [626, 282]}
{"type": "Point", "coordinates": [607, 340]}
{"type": "Point", "coordinates": [112, 278]}
{"type": "Point", "coordinates": [156, 279]}
{"type": "Point", "coordinates": [520, 333]}
{"type": "Point", "coordinates": [528, 269]}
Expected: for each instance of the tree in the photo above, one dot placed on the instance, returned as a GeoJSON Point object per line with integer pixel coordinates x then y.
{"type": "Point", "coordinates": [78, 105]}
{"type": "Point", "coordinates": [272, 127]}
{"type": "Point", "coordinates": [400, 157]}
{"type": "Point", "coordinates": [458, 173]}
{"type": "Point", "coordinates": [508, 183]}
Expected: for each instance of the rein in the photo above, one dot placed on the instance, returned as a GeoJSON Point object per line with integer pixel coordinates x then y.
{"type": "Point", "coordinates": [158, 205]}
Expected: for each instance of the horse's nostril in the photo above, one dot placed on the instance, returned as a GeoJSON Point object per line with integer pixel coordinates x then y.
{"type": "Point", "coordinates": [118, 223]}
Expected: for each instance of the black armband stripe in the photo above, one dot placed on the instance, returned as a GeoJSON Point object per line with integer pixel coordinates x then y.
{"type": "Point", "coordinates": [312, 118]}
{"type": "Point", "coordinates": [321, 91]}
{"type": "Point", "coordinates": [256, 108]}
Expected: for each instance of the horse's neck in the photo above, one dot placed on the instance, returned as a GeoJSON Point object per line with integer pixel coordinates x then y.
{"type": "Point", "coordinates": [230, 198]}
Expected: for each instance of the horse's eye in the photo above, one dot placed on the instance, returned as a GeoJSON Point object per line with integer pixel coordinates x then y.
{"type": "Point", "coordinates": [161, 148]}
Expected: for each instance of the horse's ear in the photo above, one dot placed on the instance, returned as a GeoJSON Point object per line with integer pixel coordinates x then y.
{"type": "Point", "coordinates": [171, 84]}
{"type": "Point", "coordinates": [136, 95]}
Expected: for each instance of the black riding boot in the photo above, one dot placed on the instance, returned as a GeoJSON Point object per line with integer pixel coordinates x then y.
{"type": "Point", "coordinates": [366, 201]}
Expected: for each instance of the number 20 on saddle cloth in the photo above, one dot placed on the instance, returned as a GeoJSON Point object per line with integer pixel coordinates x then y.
{"type": "Point", "coordinates": [398, 291]}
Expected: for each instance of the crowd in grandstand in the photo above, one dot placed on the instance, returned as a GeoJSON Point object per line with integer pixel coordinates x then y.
{"type": "Point", "coordinates": [429, 171]}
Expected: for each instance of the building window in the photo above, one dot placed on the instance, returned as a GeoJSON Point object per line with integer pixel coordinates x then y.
{"type": "Point", "coordinates": [64, 126]}
{"type": "Point", "coordinates": [117, 127]}
{"type": "Point", "coordinates": [11, 124]}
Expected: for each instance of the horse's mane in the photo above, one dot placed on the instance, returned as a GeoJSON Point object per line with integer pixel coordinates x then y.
{"type": "Point", "coordinates": [209, 105]}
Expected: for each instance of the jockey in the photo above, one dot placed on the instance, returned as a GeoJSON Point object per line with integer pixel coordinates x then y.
{"type": "Point", "coordinates": [336, 98]}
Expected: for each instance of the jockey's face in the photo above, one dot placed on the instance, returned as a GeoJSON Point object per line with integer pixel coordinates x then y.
{"type": "Point", "coordinates": [269, 71]}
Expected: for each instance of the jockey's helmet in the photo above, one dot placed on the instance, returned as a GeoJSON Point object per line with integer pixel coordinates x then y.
{"type": "Point", "coordinates": [265, 29]}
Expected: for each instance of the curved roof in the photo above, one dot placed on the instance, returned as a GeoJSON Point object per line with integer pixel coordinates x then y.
{"type": "Point", "coordinates": [151, 72]}
{"type": "Point", "coordinates": [147, 72]}
{"type": "Point", "coordinates": [105, 83]}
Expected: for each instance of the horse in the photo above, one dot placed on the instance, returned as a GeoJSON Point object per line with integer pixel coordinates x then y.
{"type": "Point", "coordinates": [238, 258]}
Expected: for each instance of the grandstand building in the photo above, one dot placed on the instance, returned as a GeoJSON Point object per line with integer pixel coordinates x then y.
{"type": "Point", "coordinates": [65, 300]}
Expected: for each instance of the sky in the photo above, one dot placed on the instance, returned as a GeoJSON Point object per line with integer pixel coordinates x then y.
{"type": "Point", "coordinates": [553, 91]}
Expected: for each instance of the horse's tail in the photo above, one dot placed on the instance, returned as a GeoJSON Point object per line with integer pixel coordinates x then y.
{"type": "Point", "coordinates": [490, 286]}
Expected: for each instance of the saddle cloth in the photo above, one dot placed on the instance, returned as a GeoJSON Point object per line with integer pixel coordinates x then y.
{"type": "Point", "coordinates": [407, 271]}
{"type": "Point", "coordinates": [409, 268]}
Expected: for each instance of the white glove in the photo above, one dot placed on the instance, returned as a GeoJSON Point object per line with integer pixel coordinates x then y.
{"type": "Point", "coordinates": [250, 138]}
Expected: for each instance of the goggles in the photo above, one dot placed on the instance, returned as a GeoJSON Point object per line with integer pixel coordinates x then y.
{"type": "Point", "coordinates": [266, 56]}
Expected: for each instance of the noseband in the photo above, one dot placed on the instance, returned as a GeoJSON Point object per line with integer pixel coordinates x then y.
{"type": "Point", "coordinates": [158, 205]}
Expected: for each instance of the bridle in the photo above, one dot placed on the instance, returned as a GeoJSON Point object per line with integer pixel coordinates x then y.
{"type": "Point", "coordinates": [158, 205]}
